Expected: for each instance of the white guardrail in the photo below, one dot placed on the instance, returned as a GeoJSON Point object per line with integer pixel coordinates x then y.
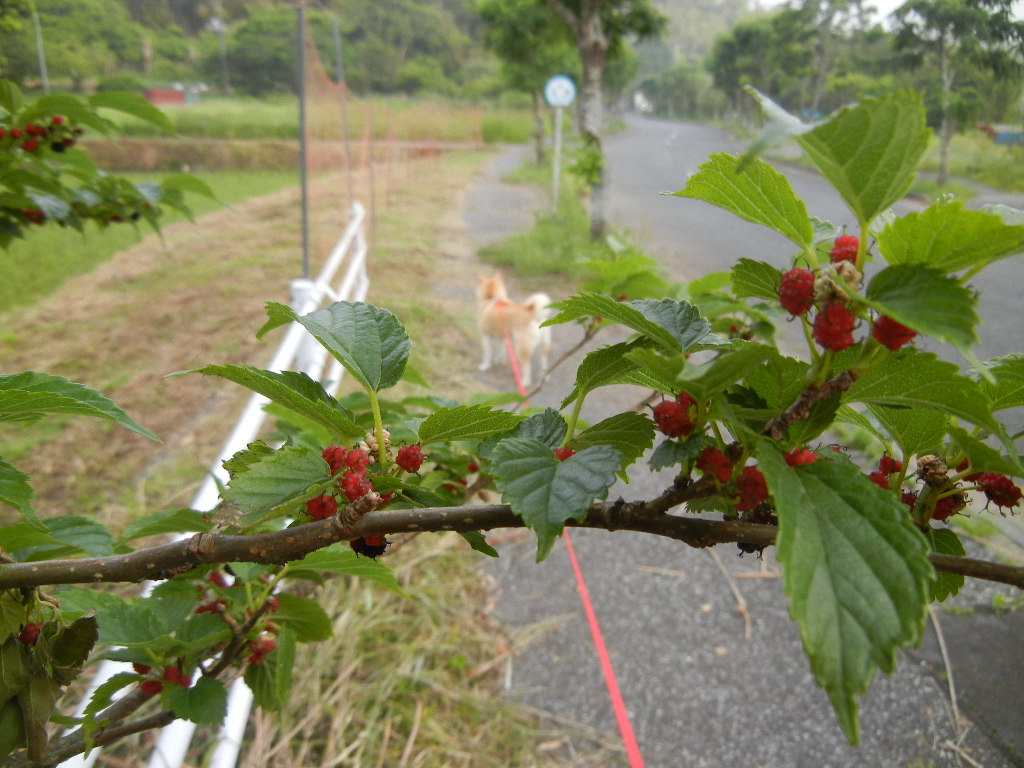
{"type": "Point", "coordinates": [299, 351]}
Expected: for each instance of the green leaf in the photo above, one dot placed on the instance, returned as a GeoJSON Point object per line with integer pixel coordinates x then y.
{"type": "Point", "coordinates": [341, 560]}
{"type": "Point", "coordinates": [1005, 389]}
{"type": "Point", "coordinates": [205, 703]}
{"type": "Point", "coordinates": [167, 521]}
{"type": "Point", "coordinates": [466, 422]}
{"type": "Point", "coordinates": [288, 475]}
{"type": "Point", "coordinates": [295, 391]}
{"type": "Point", "coordinates": [16, 490]}
{"type": "Point", "coordinates": [605, 366]}
{"type": "Point", "coordinates": [14, 667]}
{"type": "Point", "coordinates": [546, 492]}
{"type": "Point", "coordinates": [630, 433]}
{"type": "Point", "coordinates": [12, 615]}
{"type": "Point", "coordinates": [75, 642]}
{"type": "Point", "coordinates": [870, 152]}
{"type": "Point", "coordinates": [37, 701]}
{"type": "Point", "coordinates": [123, 623]}
{"type": "Point", "coordinates": [477, 541]}
{"type": "Point", "coordinates": [927, 301]}
{"type": "Point", "coordinates": [548, 426]}
{"type": "Point", "coordinates": [11, 98]}
{"type": "Point", "coordinates": [80, 534]}
{"type": "Point", "coordinates": [945, 542]}
{"type": "Point", "coordinates": [133, 104]}
{"type": "Point", "coordinates": [780, 127]}
{"type": "Point", "coordinates": [304, 616]}
{"type": "Point", "coordinates": [756, 279]}
{"type": "Point", "coordinates": [759, 194]}
{"type": "Point", "coordinates": [627, 314]}
{"type": "Point", "coordinates": [186, 182]}
{"type": "Point", "coordinates": [370, 342]}
{"type": "Point", "coordinates": [670, 453]}
{"type": "Point", "coordinates": [914, 431]}
{"type": "Point", "coordinates": [12, 727]}
{"type": "Point", "coordinates": [728, 367]}
{"type": "Point", "coordinates": [29, 395]}
{"type": "Point", "coordinates": [911, 379]}
{"type": "Point", "coordinates": [681, 319]}
{"type": "Point", "coordinates": [271, 681]}
{"type": "Point", "coordinates": [855, 569]}
{"type": "Point", "coordinates": [981, 456]}
{"type": "Point", "coordinates": [950, 238]}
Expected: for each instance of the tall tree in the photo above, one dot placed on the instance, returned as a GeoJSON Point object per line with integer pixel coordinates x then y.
{"type": "Point", "coordinates": [952, 34]}
{"type": "Point", "coordinates": [531, 49]}
{"type": "Point", "coordinates": [599, 27]}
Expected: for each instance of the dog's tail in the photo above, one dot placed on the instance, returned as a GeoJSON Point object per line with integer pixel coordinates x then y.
{"type": "Point", "coordinates": [538, 304]}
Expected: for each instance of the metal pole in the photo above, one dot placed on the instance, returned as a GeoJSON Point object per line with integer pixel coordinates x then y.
{"type": "Point", "coordinates": [557, 160]}
{"type": "Point", "coordinates": [340, 67]}
{"type": "Point", "coordinates": [303, 139]}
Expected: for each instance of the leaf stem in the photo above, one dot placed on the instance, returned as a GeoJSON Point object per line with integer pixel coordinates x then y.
{"type": "Point", "coordinates": [378, 427]}
{"type": "Point", "coordinates": [573, 419]}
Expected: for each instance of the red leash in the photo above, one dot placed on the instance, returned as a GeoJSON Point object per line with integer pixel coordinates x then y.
{"type": "Point", "coordinates": [618, 703]}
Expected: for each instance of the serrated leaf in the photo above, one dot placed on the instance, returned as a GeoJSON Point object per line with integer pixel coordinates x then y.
{"type": "Point", "coordinates": [12, 615]}
{"type": "Point", "coordinates": [627, 314]}
{"type": "Point", "coordinates": [75, 642]}
{"type": "Point", "coordinates": [303, 616]}
{"type": "Point", "coordinates": [548, 426]}
{"type": "Point", "coordinates": [133, 104]}
{"type": "Point", "coordinates": [870, 152]}
{"type": "Point", "coordinates": [466, 422]}
{"type": "Point", "coordinates": [980, 456]}
{"type": "Point", "coordinates": [103, 695]}
{"type": "Point", "coordinates": [14, 667]}
{"type": "Point", "coordinates": [341, 560]}
{"type": "Point", "coordinates": [605, 366]}
{"type": "Point", "coordinates": [758, 193]}
{"type": "Point", "coordinates": [756, 279]}
{"type": "Point", "coordinates": [630, 433]}
{"type": "Point", "coordinates": [123, 623]}
{"type": "Point", "coordinates": [819, 419]}
{"type": "Point", "coordinates": [476, 540]}
{"type": "Point", "coordinates": [914, 431]}
{"type": "Point", "coordinates": [205, 703]}
{"type": "Point", "coordinates": [166, 521]}
{"type": "Point", "coordinates": [295, 391]}
{"type": "Point", "coordinates": [16, 490]}
{"type": "Point", "coordinates": [546, 492]}
{"type": "Point", "coordinates": [920, 380]}
{"type": "Point", "coordinates": [847, 415]}
{"type": "Point", "coordinates": [927, 301]}
{"type": "Point", "coordinates": [670, 453]}
{"type": "Point", "coordinates": [945, 542]}
{"type": "Point", "coordinates": [855, 569]}
{"type": "Point", "coordinates": [369, 341]}
{"type": "Point", "coordinates": [779, 128]}
{"type": "Point", "coordinates": [1005, 388]}
{"type": "Point", "coordinates": [282, 477]}
{"type": "Point", "coordinates": [950, 238]}
{"type": "Point", "coordinates": [80, 534]}
{"type": "Point", "coordinates": [29, 395]}
{"type": "Point", "coordinates": [703, 380]}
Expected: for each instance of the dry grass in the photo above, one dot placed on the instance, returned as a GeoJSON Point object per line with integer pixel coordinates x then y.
{"type": "Point", "coordinates": [405, 682]}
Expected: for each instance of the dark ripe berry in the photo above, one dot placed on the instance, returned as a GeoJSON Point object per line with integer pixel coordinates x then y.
{"type": "Point", "coordinates": [799, 457]}
{"type": "Point", "coordinates": [999, 489]}
{"type": "Point", "coordinates": [410, 457]}
{"type": "Point", "coordinates": [370, 546]}
{"type": "Point", "coordinates": [889, 465]}
{"type": "Point", "coordinates": [30, 633]}
{"type": "Point", "coordinates": [564, 453]}
{"type": "Point", "coordinates": [151, 687]}
{"type": "Point", "coordinates": [322, 507]}
{"type": "Point", "coordinates": [713, 462]}
{"type": "Point", "coordinates": [880, 479]}
{"type": "Point", "coordinates": [752, 487]}
{"type": "Point", "coordinates": [948, 506]}
{"type": "Point", "coordinates": [260, 647]}
{"type": "Point", "coordinates": [891, 334]}
{"type": "Point", "coordinates": [796, 291]}
{"type": "Point", "coordinates": [833, 327]}
{"type": "Point", "coordinates": [845, 248]}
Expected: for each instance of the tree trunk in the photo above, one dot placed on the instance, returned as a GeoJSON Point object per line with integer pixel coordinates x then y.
{"type": "Point", "coordinates": [593, 54]}
{"type": "Point", "coordinates": [539, 134]}
{"type": "Point", "coordinates": [946, 120]}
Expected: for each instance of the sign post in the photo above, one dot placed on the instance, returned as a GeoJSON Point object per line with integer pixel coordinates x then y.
{"type": "Point", "coordinates": [560, 93]}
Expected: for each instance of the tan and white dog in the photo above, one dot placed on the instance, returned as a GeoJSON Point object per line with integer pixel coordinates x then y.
{"type": "Point", "coordinates": [521, 322]}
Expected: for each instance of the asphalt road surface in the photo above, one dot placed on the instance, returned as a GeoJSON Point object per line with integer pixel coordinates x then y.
{"type": "Point", "coordinates": [703, 689]}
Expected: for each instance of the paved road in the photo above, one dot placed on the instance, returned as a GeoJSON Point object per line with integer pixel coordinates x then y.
{"type": "Point", "coordinates": [700, 693]}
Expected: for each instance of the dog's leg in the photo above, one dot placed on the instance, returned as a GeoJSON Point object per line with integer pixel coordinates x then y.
{"type": "Point", "coordinates": [485, 343]}
{"type": "Point", "coordinates": [544, 345]}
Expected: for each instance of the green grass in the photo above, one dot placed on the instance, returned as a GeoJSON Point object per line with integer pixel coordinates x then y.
{"type": "Point", "coordinates": [976, 157]}
{"type": "Point", "coordinates": [36, 266]}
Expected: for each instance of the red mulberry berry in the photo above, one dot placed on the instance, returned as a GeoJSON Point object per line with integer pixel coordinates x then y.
{"type": "Point", "coordinates": [910, 499]}
{"type": "Point", "coordinates": [142, 669]}
{"type": "Point", "coordinates": [355, 485]}
{"type": "Point", "coordinates": [410, 457]}
{"type": "Point", "coordinates": [800, 457]}
{"type": "Point", "coordinates": [713, 462]}
{"type": "Point", "coordinates": [891, 334]}
{"type": "Point", "coordinates": [322, 507]}
{"type": "Point", "coordinates": [30, 633]}
{"type": "Point", "coordinates": [999, 489]}
{"type": "Point", "coordinates": [946, 507]}
{"type": "Point", "coordinates": [752, 487]}
{"type": "Point", "coordinates": [151, 688]}
{"type": "Point", "coordinates": [31, 145]}
{"type": "Point", "coordinates": [370, 546]}
{"type": "Point", "coordinates": [334, 455]}
{"type": "Point", "coordinates": [845, 248]}
{"type": "Point", "coordinates": [673, 417]}
{"type": "Point", "coordinates": [564, 453]}
{"type": "Point", "coordinates": [833, 327]}
{"type": "Point", "coordinates": [880, 479]}
{"type": "Point", "coordinates": [889, 465]}
{"type": "Point", "coordinates": [796, 292]}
